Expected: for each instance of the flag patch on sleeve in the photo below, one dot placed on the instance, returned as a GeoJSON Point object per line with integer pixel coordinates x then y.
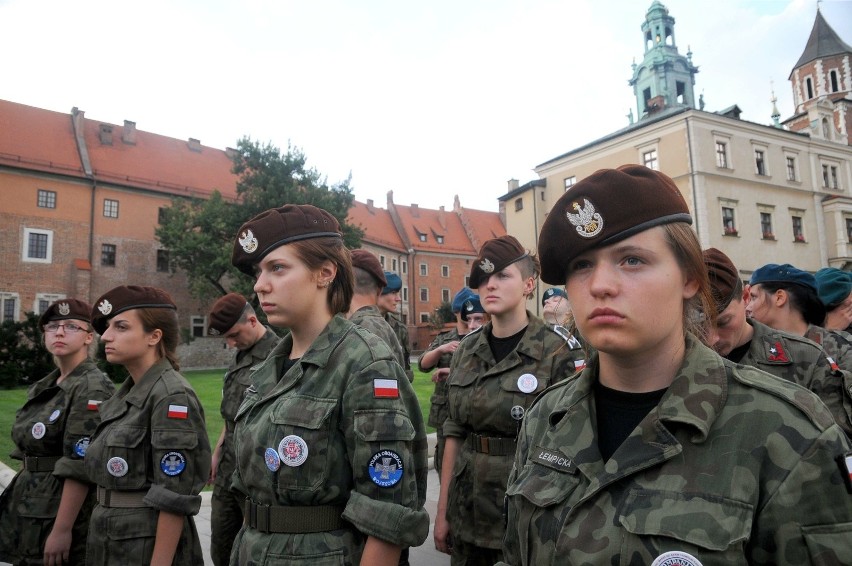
{"type": "Point", "coordinates": [93, 404]}
{"type": "Point", "coordinates": [579, 365]}
{"type": "Point", "coordinates": [385, 389]}
{"type": "Point", "coordinates": [178, 412]}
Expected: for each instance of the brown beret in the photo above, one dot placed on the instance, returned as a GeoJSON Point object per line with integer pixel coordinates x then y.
{"type": "Point", "coordinates": [723, 278]}
{"type": "Point", "coordinates": [606, 207]}
{"type": "Point", "coordinates": [495, 255]}
{"type": "Point", "coordinates": [225, 313]}
{"type": "Point", "coordinates": [127, 297]}
{"type": "Point", "coordinates": [279, 226]}
{"type": "Point", "coordinates": [369, 263]}
{"type": "Point", "coordinates": [65, 309]}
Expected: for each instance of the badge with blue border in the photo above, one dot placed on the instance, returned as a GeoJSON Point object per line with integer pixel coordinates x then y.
{"type": "Point", "coordinates": [80, 446]}
{"type": "Point", "coordinates": [54, 415]}
{"type": "Point", "coordinates": [385, 468]}
{"type": "Point", "coordinates": [173, 463]}
{"type": "Point", "coordinates": [273, 461]}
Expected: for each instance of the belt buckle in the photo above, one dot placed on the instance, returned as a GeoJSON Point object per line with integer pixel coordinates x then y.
{"type": "Point", "coordinates": [483, 445]}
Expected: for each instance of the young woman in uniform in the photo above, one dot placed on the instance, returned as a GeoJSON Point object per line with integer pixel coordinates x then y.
{"type": "Point", "coordinates": [661, 452]}
{"type": "Point", "coordinates": [330, 443]}
{"type": "Point", "coordinates": [150, 456]}
{"type": "Point", "coordinates": [44, 513]}
{"type": "Point", "coordinates": [495, 374]}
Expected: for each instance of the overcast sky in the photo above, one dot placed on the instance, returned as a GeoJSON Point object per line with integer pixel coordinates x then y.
{"type": "Point", "coordinates": [429, 99]}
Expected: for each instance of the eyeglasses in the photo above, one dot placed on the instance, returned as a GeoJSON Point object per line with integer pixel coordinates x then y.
{"type": "Point", "coordinates": [69, 328]}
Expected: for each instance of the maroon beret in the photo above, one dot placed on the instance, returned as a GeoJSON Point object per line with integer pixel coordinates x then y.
{"type": "Point", "coordinates": [279, 226]}
{"type": "Point", "coordinates": [495, 255]}
{"type": "Point", "coordinates": [65, 309]}
{"type": "Point", "coordinates": [606, 207]}
{"type": "Point", "coordinates": [226, 312]}
{"type": "Point", "coordinates": [369, 263]}
{"type": "Point", "coordinates": [127, 297]}
{"type": "Point", "coordinates": [723, 277]}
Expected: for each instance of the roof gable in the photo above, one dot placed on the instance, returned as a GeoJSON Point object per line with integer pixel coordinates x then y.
{"type": "Point", "coordinates": [823, 42]}
{"type": "Point", "coordinates": [38, 139]}
{"type": "Point", "coordinates": [377, 225]}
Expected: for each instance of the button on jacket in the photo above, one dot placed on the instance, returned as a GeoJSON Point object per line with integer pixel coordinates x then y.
{"type": "Point", "coordinates": [152, 439]}
{"type": "Point", "coordinates": [56, 421]}
{"type": "Point", "coordinates": [732, 467]}
{"type": "Point", "coordinates": [483, 397]}
{"type": "Point", "coordinates": [336, 405]}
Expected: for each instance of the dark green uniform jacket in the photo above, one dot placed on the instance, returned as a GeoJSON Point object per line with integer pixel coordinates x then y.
{"type": "Point", "coordinates": [370, 318]}
{"type": "Point", "coordinates": [836, 394]}
{"type": "Point", "coordinates": [438, 410]}
{"type": "Point", "coordinates": [401, 331]}
{"type": "Point", "coordinates": [733, 466]}
{"type": "Point", "coordinates": [55, 423]}
{"type": "Point", "coordinates": [152, 441]}
{"type": "Point", "coordinates": [486, 399]}
{"type": "Point", "coordinates": [341, 428]}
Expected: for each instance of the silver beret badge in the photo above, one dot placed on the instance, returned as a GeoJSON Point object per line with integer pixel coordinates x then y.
{"type": "Point", "coordinates": [105, 307]}
{"type": "Point", "coordinates": [588, 222]}
{"type": "Point", "coordinates": [486, 266]}
{"type": "Point", "coordinates": [64, 309]}
{"type": "Point", "coordinates": [248, 241]}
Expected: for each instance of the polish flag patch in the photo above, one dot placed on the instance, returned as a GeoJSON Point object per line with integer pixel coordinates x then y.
{"type": "Point", "coordinates": [93, 404]}
{"type": "Point", "coordinates": [178, 412]}
{"type": "Point", "coordinates": [579, 365]}
{"type": "Point", "coordinates": [385, 389]}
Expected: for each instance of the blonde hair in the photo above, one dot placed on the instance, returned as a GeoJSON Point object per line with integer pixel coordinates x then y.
{"type": "Point", "coordinates": [699, 312]}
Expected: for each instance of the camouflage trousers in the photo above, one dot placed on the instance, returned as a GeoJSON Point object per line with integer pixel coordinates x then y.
{"type": "Point", "coordinates": [226, 518]}
{"type": "Point", "coordinates": [466, 554]}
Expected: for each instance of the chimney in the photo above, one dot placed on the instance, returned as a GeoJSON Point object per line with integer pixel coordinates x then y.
{"type": "Point", "coordinates": [442, 219]}
{"type": "Point", "coordinates": [370, 206]}
{"type": "Point", "coordinates": [513, 184]}
{"type": "Point", "coordinates": [128, 134]}
{"type": "Point", "coordinates": [105, 134]}
{"type": "Point", "coordinates": [415, 210]}
{"type": "Point", "coordinates": [230, 152]}
{"type": "Point", "coordinates": [194, 145]}
{"type": "Point", "coordinates": [456, 204]}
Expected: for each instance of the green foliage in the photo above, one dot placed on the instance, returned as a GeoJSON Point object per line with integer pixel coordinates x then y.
{"type": "Point", "coordinates": [199, 233]}
{"type": "Point", "coordinates": [23, 357]}
{"type": "Point", "coordinates": [442, 315]}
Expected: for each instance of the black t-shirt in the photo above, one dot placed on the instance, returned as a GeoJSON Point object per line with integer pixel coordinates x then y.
{"type": "Point", "coordinates": [502, 347]}
{"type": "Point", "coordinates": [739, 352]}
{"type": "Point", "coordinates": [288, 363]}
{"type": "Point", "coordinates": [618, 413]}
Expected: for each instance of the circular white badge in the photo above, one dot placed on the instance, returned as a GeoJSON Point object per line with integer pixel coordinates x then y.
{"type": "Point", "coordinates": [38, 430]}
{"type": "Point", "coordinates": [54, 415]}
{"type": "Point", "coordinates": [293, 450]}
{"type": "Point", "coordinates": [527, 383]}
{"type": "Point", "coordinates": [517, 412]}
{"type": "Point", "coordinates": [117, 467]}
{"type": "Point", "coordinates": [676, 558]}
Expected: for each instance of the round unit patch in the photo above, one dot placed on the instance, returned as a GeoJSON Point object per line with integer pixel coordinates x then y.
{"type": "Point", "coordinates": [527, 383]}
{"type": "Point", "coordinates": [293, 450]}
{"type": "Point", "coordinates": [517, 412]}
{"type": "Point", "coordinates": [53, 416]}
{"type": "Point", "coordinates": [273, 461]}
{"type": "Point", "coordinates": [676, 558]}
{"type": "Point", "coordinates": [385, 468]}
{"type": "Point", "coordinates": [39, 430]}
{"type": "Point", "coordinates": [117, 467]}
{"type": "Point", "coordinates": [80, 446]}
{"type": "Point", "coordinates": [173, 463]}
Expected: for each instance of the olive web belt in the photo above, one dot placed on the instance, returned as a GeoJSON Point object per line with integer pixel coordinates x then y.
{"type": "Point", "coordinates": [493, 445]}
{"type": "Point", "coordinates": [288, 519]}
{"type": "Point", "coordinates": [40, 463]}
{"type": "Point", "coordinates": [126, 499]}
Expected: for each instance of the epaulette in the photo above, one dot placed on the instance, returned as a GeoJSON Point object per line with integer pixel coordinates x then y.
{"type": "Point", "coordinates": [471, 333]}
{"type": "Point", "coordinates": [569, 338]}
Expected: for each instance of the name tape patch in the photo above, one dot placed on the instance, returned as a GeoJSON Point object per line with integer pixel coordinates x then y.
{"type": "Point", "coordinates": [555, 460]}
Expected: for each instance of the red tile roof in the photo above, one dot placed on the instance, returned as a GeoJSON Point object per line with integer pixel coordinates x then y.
{"type": "Point", "coordinates": [482, 226]}
{"type": "Point", "coordinates": [377, 225]}
{"type": "Point", "coordinates": [38, 139]}
{"type": "Point", "coordinates": [433, 223]}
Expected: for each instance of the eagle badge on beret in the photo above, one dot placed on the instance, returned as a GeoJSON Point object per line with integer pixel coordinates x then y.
{"type": "Point", "coordinates": [64, 309]}
{"type": "Point", "coordinates": [486, 266]}
{"type": "Point", "coordinates": [213, 332]}
{"type": "Point", "coordinates": [248, 241]}
{"type": "Point", "coordinates": [105, 307]}
{"type": "Point", "coordinates": [588, 221]}
{"type": "Point", "coordinates": [468, 305]}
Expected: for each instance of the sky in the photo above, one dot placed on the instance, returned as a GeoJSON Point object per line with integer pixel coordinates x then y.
{"type": "Point", "coordinates": [428, 99]}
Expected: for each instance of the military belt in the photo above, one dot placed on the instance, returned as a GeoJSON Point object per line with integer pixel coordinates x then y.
{"type": "Point", "coordinates": [293, 520]}
{"type": "Point", "coordinates": [492, 445]}
{"type": "Point", "coordinates": [40, 463]}
{"type": "Point", "coordinates": [127, 499]}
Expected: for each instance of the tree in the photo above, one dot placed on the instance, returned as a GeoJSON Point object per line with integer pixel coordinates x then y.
{"type": "Point", "coordinates": [199, 233]}
{"type": "Point", "coordinates": [442, 315]}
{"type": "Point", "coordinates": [24, 359]}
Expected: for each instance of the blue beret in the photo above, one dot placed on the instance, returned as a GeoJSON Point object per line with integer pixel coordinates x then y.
{"type": "Point", "coordinates": [833, 286]}
{"type": "Point", "coordinates": [551, 292]}
{"type": "Point", "coordinates": [470, 306]}
{"type": "Point", "coordinates": [394, 283]}
{"type": "Point", "coordinates": [786, 273]}
{"type": "Point", "coordinates": [463, 295]}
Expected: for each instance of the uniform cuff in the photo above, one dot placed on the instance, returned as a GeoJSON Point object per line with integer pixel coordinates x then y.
{"type": "Point", "coordinates": [389, 522]}
{"type": "Point", "coordinates": [452, 429]}
{"type": "Point", "coordinates": [163, 499]}
{"type": "Point", "coordinates": [66, 468]}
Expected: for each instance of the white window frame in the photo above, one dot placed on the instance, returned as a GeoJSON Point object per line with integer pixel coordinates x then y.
{"type": "Point", "coordinates": [445, 295]}
{"type": "Point", "coordinates": [424, 318]}
{"type": "Point", "coordinates": [7, 296]}
{"type": "Point", "coordinates": [404, 266]}
{"type": "Point", "coordinates": [25, 252]}
{"type": "Point", "coordinates": [382, 261]}
{"type": "Point", "coordinates": [49, 297]}
{"type": "Point", "coordinates": [420, 294]}
{"type": "Point", "coordinates": [111, 201]}
{"type": "Point", "coordinates": [424, 270]}
{"type": "Point", "coordinates": [49, 200]}
{"type": "Point", "coordinates": [445, 270]}
{"type": "Point", "coordinates": [650, 149]}
{"type": "Point", "coordinates": [764, 153]}
{"type": "Point", "coordinates": [569, 181]}
{"type": "Point", "coordinates": [196, 322]}
{"type": "Point", "coordinates": [405, 294]}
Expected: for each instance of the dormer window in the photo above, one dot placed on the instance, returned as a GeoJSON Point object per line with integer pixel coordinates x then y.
{"type": "Point", "coordinates": [440, 239]}
{"type": "Point", "coordinates": [422, 237]}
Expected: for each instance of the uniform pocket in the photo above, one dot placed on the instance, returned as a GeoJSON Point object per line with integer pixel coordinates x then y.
{"type": "Point", "coordinates": [829, 544]}
{"type": "Point", "coordinates": [302, 427]}
{"type": "Point", "coordinates": [132, 535]}
{"type": "Point", "coordinates": [126, 457]}
{"type": "Point", "coordinates": [694, 523]}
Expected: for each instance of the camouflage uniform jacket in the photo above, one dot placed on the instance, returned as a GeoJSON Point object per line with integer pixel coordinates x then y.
{"type": "Point", "coordinates": [237, 380]}
{"type": "Point", "coordinates": [485, 399]}
{"type": "Point", "coordinates": [438, 403]}
{"type": "Point", "coordinates": [731, 467]}
{"type": "Point", "coordinates": [331, 403]}
{"type": "Point", "coordinates": [401, 331]}
{"type": "Point", "coordinates": [55, 421]}
{"type": "Point", "coordinates": [370, 318]}
{"type": "Point", "coordinates": [837, 392]}
{"type": "Point", "coordinates": [152, 439]}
